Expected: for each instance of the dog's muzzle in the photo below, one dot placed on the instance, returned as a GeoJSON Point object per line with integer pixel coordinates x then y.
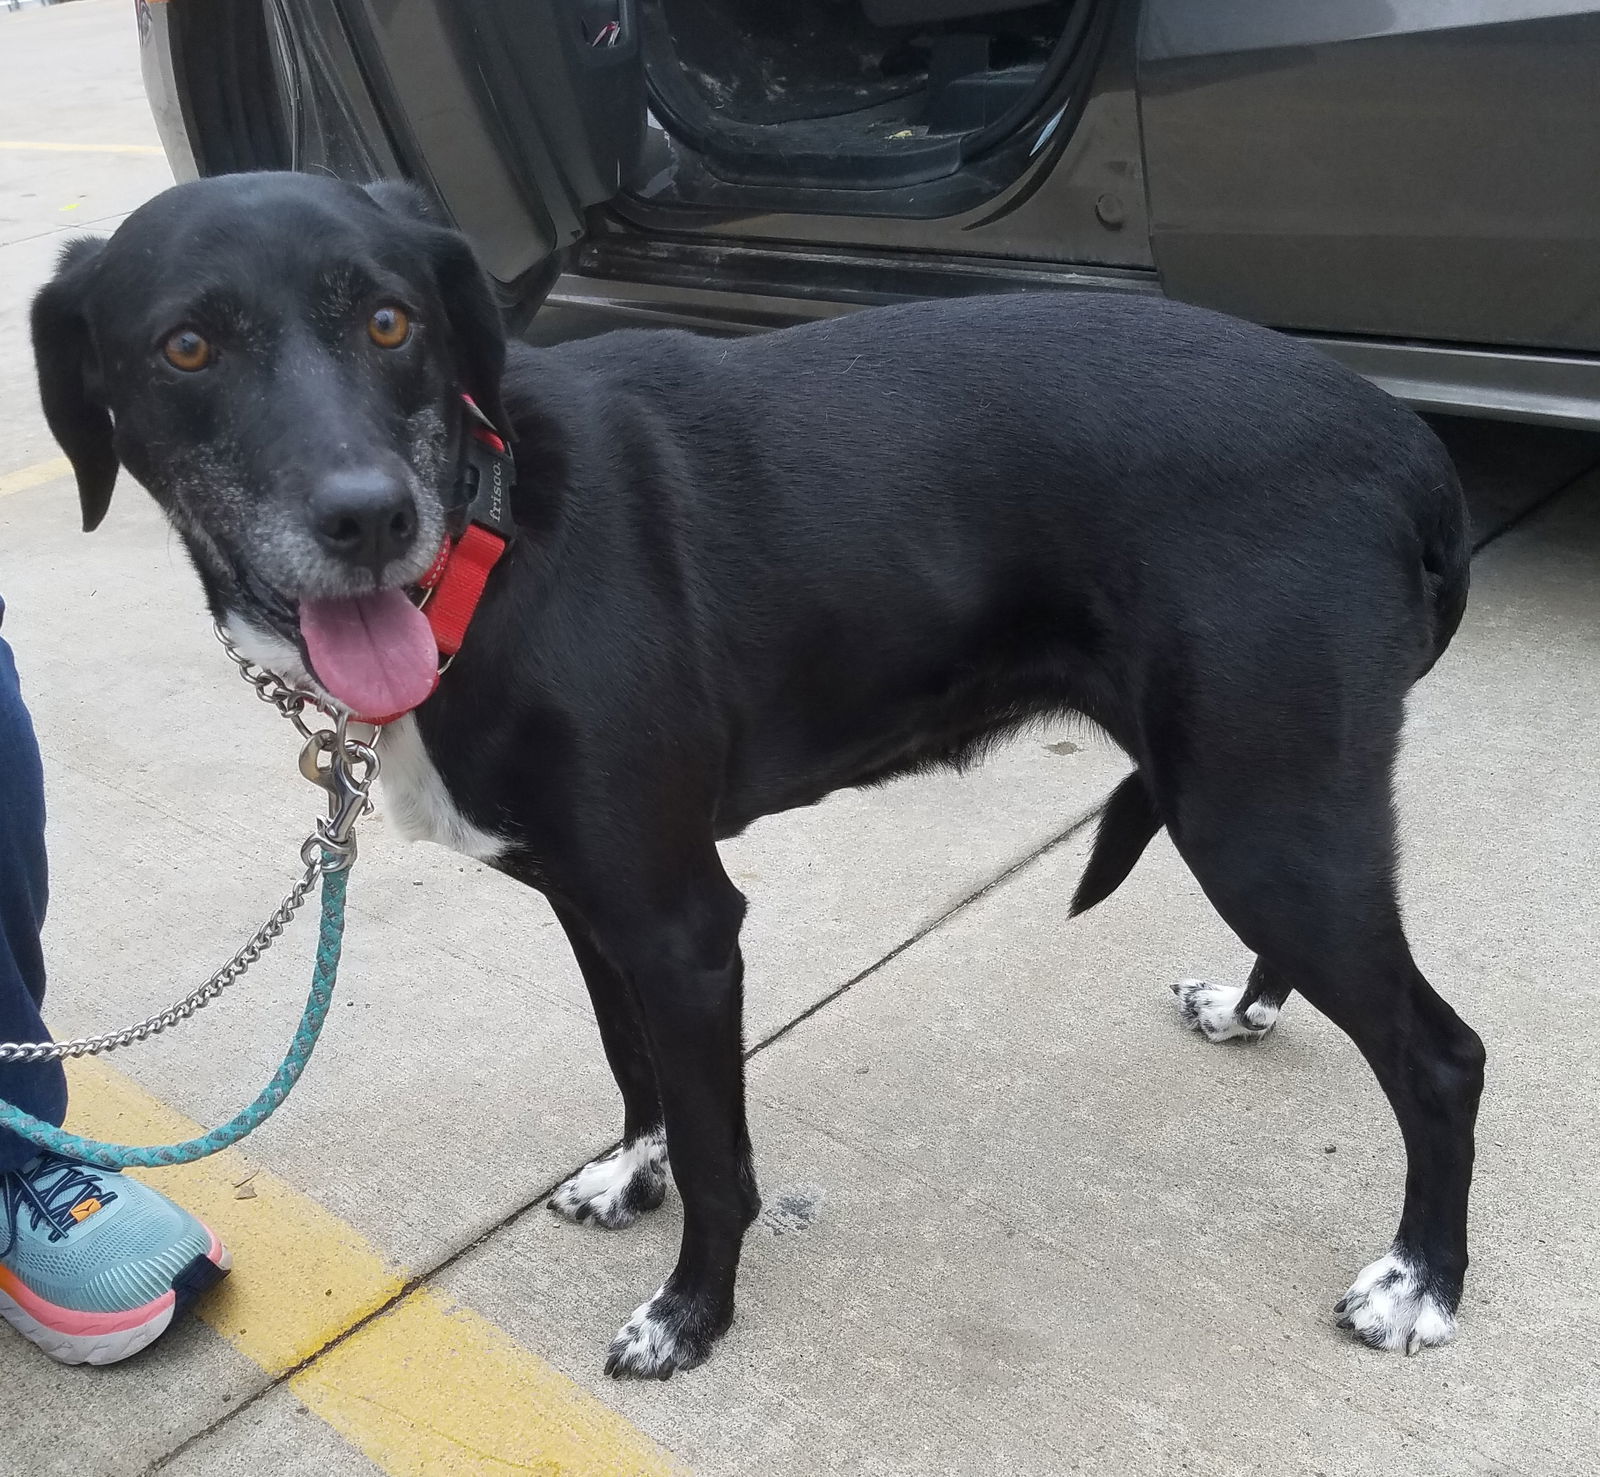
{"type": "Point", "coordinates": [381, 654]}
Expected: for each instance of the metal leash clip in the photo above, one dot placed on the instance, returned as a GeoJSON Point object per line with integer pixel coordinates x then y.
{"type": "Point", "coordinates": [345, 767]}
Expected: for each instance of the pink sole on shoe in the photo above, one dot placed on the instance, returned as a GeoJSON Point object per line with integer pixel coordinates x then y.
{"type": "Point", "coordinates": [72, 1337]}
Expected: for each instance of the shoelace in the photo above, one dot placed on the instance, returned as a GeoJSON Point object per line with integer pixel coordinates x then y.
{"type": "Point", "coordinates": [50, 1201]}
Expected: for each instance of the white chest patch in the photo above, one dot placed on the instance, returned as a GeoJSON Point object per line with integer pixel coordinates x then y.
{"type": "Point", "coordinates": [416, 802]}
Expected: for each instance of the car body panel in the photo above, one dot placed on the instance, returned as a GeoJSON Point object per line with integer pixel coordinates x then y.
{"type": "Point", "coordinates": [1404, 169]}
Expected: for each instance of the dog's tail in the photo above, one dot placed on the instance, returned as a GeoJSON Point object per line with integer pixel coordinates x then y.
{"type": "Point", "coordinates": [1127, 824]}
{"type": "Point", "coordinates": [1446, 561]}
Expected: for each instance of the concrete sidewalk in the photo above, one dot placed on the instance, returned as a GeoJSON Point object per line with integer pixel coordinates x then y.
{"type": "Point", "coordinates": [1017, 1220]}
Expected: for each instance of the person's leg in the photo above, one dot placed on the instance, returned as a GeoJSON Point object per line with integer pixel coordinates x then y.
{"type": "Point", "coordinates": [39, 1088]}
{"type": "Point", "coordinates": [93, 1266]}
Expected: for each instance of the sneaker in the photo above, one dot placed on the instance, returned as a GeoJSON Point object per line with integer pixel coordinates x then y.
{"type": "Point", "coordinates": [95, 1266]}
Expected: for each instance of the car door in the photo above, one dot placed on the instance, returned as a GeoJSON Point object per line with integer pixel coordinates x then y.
{"type": "Point", "coordinates": [517, 116]}
{"type": "Point", "coordinates": [1418, 169]}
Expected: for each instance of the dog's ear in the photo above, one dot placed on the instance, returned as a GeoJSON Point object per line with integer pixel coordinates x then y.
{"type": "Point", "coordinates": [467, 293]}
{"type": "Point", "coordinates": [65, 357]}
{"type": "Point", "coordinates": [475, 322]}
{"type": "Point", "coordinates": [400, 197]}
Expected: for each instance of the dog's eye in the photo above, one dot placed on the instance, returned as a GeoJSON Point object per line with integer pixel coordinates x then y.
{"type": "Point", "coordinates": [388, 328]}
{"type": "Point", "coordinates": [186, 350]}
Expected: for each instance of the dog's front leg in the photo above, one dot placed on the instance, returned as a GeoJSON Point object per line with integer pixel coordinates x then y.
{"type": "Point", "coordinates": [687, 974]}
{"type": "Point", "coordinates": [614, 1190]}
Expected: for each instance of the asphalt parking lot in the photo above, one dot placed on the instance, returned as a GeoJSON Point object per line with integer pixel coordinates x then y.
{"type": "Point", "coordinates": [1018, 1220]}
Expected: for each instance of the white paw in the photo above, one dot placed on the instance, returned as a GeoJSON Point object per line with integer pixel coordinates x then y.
{"type": "Point", "coordinates": [644, 1344]}
{"type": "Point", "coordinates": [615, 1189]}
{"type": "Point", "coordinates": [1213, 1010]}
{"type": "Point", "coordinates": [1389, 1307]}
{"type": "Point", "coordinates": [666, 1334]}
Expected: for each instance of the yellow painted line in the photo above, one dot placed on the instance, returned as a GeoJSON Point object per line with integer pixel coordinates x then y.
{"type": "Point", "coordinates": [425, 1390]}
{"type": "Point", "coordinates": [434, 1389]}
{"type": "Point", "coordinates": [43, 147]}
{"type": "Point", "coordinates": [306, 1275]}
{"type": "Point", "coordinates": [40, 472]}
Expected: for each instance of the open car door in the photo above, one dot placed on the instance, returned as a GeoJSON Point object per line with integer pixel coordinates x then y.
{"type": "Point", "coordinates": [517, 116]}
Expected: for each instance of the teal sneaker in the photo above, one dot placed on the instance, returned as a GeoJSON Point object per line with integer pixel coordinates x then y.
{"type": "Point", "coordinates": [95, 1266]}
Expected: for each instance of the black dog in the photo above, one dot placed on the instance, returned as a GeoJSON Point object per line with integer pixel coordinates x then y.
{"type": "Point", "coordinates": [750, 573]}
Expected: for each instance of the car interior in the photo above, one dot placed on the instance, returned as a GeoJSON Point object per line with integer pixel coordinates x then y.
{"type": "Point", "coordinates": [916, 108]}
{"type": "Point", "coordinates": [850, 94]}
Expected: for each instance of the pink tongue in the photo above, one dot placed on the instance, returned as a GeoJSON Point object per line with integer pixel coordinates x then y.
{"type": "Point", "coordinates": [375, 653]}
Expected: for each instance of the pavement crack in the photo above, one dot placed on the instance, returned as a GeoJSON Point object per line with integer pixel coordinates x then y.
{"type": "Point", "coordinates": [953, 911]}
{"type": "Point", "coordinates": [451, 1437]}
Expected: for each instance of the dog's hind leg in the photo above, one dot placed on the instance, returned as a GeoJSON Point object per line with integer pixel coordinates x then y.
{"type": "Point", "coordinates": [1301, 866]}
{"type": "Point", "coordinates": [1128, 823]}
{"type": "Point", "coordinates": [617, 1188]}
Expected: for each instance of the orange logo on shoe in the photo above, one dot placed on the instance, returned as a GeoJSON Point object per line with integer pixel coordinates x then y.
{"type": "Point", "coordinates": [86, 1208]}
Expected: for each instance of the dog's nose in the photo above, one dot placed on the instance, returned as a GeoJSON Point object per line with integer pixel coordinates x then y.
{"type": "Point", "coordinates": [364, 515]}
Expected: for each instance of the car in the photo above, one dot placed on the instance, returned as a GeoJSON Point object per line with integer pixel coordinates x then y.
{"type": "Point", "coordinates": [1415, 186]}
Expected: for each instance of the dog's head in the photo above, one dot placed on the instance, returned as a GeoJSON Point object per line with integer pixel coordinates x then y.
{"type": "Point", "coordinates": [280, 359]}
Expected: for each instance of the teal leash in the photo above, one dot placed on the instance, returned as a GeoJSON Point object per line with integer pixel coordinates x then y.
{"type": "Point", "coordinates": [134, 1156]}
{"type": "Point", "coordinates": [345, 768]}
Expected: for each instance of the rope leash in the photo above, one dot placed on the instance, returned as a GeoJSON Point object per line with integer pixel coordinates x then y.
{"type": "Point", "coordinates": [345, 768]}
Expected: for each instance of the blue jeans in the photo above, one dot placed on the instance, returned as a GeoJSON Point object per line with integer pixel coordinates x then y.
{"type": "Point", "coordinates": [39, 1088]}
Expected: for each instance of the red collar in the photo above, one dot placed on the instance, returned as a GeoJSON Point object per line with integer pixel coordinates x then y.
{"type": "Point", "coordinates": [451, 589]}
